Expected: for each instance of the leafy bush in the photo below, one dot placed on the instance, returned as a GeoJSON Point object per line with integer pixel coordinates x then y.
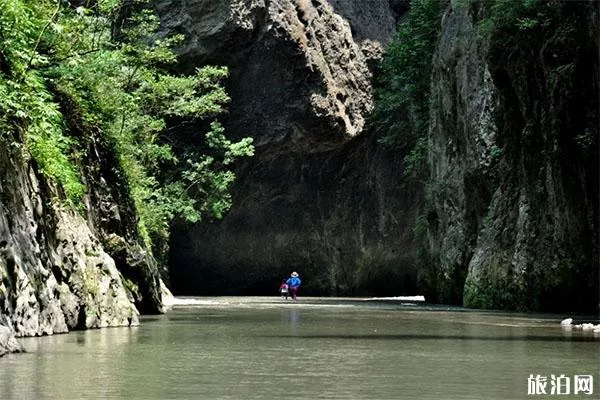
{"type": "Point", "coordinates": [514, 17]}
{"type": "Point", "coordinates": [109, 59]}
{"type": "Point", "coordinates": [402, 92]}
{"type": "Point", "coordinates": [25, 102]}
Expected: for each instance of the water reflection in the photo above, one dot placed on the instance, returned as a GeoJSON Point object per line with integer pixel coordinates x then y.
{"type": "Point", "coordinates": [470, 338]}
{"type": "Point", "coordinates": [239, 348]}
{"type": "Point", "coordinates": [293, 318]}
{"type": "Point", "coordinates": [52, 366]}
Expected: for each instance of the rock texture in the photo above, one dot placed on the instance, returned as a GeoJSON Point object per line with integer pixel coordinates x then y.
{"type": "Point", "coordinates": [462, 139]}
{"type": "Point", "coordinates": [513, 155]}
{"type": "Point", "coordinates": [512, 197]}
{"type": "Point", "coordinates": [111, 213]}
{"type": "Point", "coordinates": [298, 80]}
{"type": "Point", "coordinates": [54, 273]}
{"type": "Point", "coordinates": [316, 197]}
{"type": "Point", "coordinates": [8, 343]}
{"type": "Point", "coordinates": [341, 224]}
{"type": "Point", "coordinates": [58, 270]}
{"type": "Point", "coordinates": [371, 20]}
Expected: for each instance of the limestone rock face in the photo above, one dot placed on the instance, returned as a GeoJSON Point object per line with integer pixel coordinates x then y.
{"type": "Point", "coordinates": [299, 82]}
{"type": "Point", "coordinates": [511, 200]}
{"type": "Point", "coordinates": [8, 343]}
{"type": "Point", "coordinates": [58, 270]}
{"type": "Point", "coordinates": [338, 218]}
{"type": "Point", "coordinates": [512, 196]}
{"type": "Point", "coordinates": [112, 218]}
{"type": "Point", "coordinates": [371, 20]}
{"type": "Point", "coordinates": [514, 216]}
{"type": "Point", "coordinates": [54, 273]}
{"type": "Point", "coordinates": [462, 135]}
{"type": "Point", "coordinates": [315, 197]}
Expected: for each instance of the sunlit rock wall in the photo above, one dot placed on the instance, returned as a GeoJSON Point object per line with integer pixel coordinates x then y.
{"type": "Point", "coordinates": [317, 197]}
{"type": "Point", "coordinates": [62, 268]}
{"type": "Point", "coordinates": [54, 274]}
{"type": "Point", "coordinates": [299, 83]}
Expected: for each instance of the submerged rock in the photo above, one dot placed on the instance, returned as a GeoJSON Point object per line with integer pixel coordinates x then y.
{"type": "Point", "coordinates": [566, 322]}
{"type": "Point", "coordinates": [586, 326]}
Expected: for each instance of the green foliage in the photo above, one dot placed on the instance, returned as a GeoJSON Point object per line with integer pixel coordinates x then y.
{"type": "Point", "coordinates": [25, 102]}
{"type": "Point", "coordinates": [201, 187]}
{"type": "Point", "coordinates": [108, 58]}
{"type": "Point", "coordinates": [495, 152]}
{"type": "Point", "coordinates": [420, 227]}
{"type": "Point", "coordinates": [495, 290]}
{"type": "Point", "coordinates": [124, 89]}
{"type": "Point", "coordinates": [535, 37]}
{"type": "Point", "coordinates": [415, 161]}
{"type": "Point", "coordinates": [402, 87]}
{"type": "Point", "coordinates": [513, 16]}
{"type": "Point", "coordinates": [520, 25]}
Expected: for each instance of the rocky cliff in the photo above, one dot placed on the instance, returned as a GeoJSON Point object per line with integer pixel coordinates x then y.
{"type": "Point", "coordinates": [316, 197]}
{"type": "Point", "coordinates": [59, 269]}
{"type": "Point", "coordinates": [514, 161]}
{"type": "Point", "coordinates": [511, 204]}
{"type": "Point", "coordinates": [298, 80]}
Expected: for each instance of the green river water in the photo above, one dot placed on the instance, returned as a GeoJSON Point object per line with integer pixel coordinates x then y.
{"type": "Point", "coordinates": [268, 348]}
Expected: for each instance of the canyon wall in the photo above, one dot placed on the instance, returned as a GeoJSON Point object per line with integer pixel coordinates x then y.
{"type": "Point", "coordinates": [510, 205]}
{"type": "Point", "coordinates": [513, 211]}
{"type": "Point", "coordinates": [319, 196]}
{"type": "Point", "coordinates": [66, 266]}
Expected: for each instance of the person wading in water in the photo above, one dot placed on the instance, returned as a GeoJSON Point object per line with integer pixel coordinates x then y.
{"type": "Point", "coordinates": [283, 289]}
{"type": "Point", "coordinates": [294, 283]}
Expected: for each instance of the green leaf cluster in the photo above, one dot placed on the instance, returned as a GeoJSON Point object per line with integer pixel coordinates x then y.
{"type": "Point", "coordinates": [403, 84]}
{"type": "Point", "coordinates": [514, 18]}
{"type": "Point", "coordinates": [28, 113]}
{"type": "Point", "coordinates": [516, 28]}
{"type": "Point", "coordinates": [557, 35]}
{"type": "Point", "coordinates": [108, 57]}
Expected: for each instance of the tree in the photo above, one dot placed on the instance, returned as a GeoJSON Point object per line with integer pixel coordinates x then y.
{"type": "Point", "coordinates": [109, 59]}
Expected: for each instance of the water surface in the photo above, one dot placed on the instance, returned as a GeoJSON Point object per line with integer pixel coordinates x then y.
{"type": "Point", "coordinates": [267, 348]}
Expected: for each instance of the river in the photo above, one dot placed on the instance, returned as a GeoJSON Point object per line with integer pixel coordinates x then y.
{"type": "Point", "coordinates": [315, 348]}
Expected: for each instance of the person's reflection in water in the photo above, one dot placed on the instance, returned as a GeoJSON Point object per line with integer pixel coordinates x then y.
{"type": "Point", "coordinates": [294, 320]}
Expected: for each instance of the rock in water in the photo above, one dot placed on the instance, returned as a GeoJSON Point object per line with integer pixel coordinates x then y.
{"type": "Point", "coordinates": [566, 322]}
{"type": "Point", "coordinates": [8, 343]}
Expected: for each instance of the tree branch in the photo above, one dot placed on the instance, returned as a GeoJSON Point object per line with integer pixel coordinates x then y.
{"type": "Point", "coordinates": [39, 39]}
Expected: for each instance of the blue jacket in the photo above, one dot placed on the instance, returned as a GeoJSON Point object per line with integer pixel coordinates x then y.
{"type": "Point", "coordinates": [294, 281]}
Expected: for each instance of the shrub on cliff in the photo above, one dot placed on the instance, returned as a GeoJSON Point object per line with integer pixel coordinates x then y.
{"type": "Point", "coordinates": [109, 59]}
{"type": "Point", "coordinates": [402, 87]}
{"type": "Point", "coordinates": [29, 118]}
